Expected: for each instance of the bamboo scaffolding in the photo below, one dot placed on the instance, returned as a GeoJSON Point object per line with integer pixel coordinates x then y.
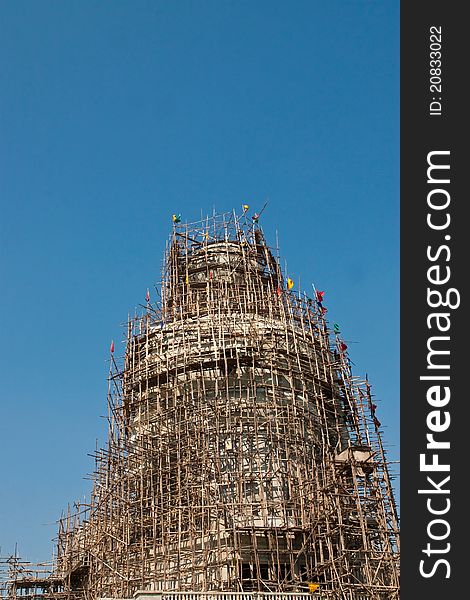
{"type": "Point", "coordinates": [242, 454]}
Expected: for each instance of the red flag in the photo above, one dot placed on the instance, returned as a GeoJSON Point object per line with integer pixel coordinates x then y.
{"type": "Point", "coordinates": [210, 274]}
{"type": "Point", "coordinates": [147, 296]}
{"type": "Point", "coordinates": [111, 348]}
{"type": "Point", "coordinates": [324, 310]}
{"type": "Point", "coordinates": [320, 296]}
{"type": "Point", "coordinates": [278, 291]}
{"type": "Point", "coordinates": [343, 347]}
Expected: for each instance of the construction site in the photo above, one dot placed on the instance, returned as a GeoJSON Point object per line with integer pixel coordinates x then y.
{"type": "Point", "coordinates": [244, 459]}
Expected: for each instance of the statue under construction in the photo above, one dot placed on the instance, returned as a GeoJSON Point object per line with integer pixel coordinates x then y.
{"type": "Point", "coordinates": [243, 458]}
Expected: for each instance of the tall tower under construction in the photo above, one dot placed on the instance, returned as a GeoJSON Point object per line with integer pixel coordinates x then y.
{"type": "Point", "coordinates": [243, 457]}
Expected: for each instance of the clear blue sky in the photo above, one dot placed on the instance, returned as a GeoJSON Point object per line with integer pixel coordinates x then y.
{"type": "Point", "coordinates": [114, 115]}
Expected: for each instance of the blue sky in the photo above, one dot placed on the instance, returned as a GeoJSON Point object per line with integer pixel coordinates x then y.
{"type": "Point", "coordinates": [113, 116]}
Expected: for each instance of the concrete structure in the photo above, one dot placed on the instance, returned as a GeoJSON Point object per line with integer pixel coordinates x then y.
{"type": "Point", "coordinates": [243, 459]}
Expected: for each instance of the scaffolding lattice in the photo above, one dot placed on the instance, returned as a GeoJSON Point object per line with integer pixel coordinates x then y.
{"type": "Point", "coordinates": [242, 453]}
